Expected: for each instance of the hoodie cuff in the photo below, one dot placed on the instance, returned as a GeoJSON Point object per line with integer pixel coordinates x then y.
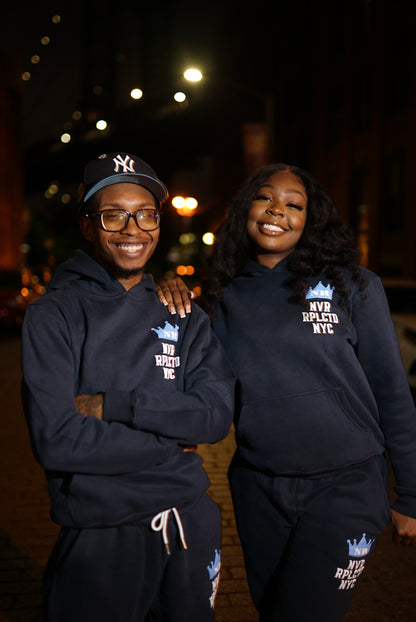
{"type": "Point", "coordinates": [406, 505]}
{"type": "Point", "coordinates": [118, 406]}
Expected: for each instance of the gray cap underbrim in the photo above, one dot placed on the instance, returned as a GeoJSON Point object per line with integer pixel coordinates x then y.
{"type": "Point", "coordinates": [153, 185]}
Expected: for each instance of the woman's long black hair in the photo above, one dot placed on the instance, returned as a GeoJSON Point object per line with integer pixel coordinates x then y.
{"type": "Point", "coordinates": [325, 247]}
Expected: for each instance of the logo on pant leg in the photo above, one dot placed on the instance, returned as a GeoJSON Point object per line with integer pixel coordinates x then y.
{"type": "Point", "coordinates": [214, 574]}
{"type": "Point", "coordinates": [357, 551]}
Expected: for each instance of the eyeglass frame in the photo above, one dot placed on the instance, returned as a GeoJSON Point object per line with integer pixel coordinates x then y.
{"type": "Point", "coordinates": [133, 215]}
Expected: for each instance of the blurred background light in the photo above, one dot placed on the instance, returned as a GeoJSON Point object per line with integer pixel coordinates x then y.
{"type": "Point", "coordinates": [193, 74]}
{"type": "Point", "coordinates": [136, 93]}
{"type": "Point", "coordinates": [101, 125]}
{"type": "Point", "coordinates": [208, 238]}
{"type": "Point", "coordinates": [179, 96]}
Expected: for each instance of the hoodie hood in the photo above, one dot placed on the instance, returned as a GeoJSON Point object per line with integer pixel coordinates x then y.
{"type": "Point", "coordinates": [82, 270]}
{"type": "Point", "coordinates": [253, 267]}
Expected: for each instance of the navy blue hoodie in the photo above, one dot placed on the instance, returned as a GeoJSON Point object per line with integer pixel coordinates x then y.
{"type": "Point", "coordinates": [166, 381]}
{"type": "Point", "coordinates": [321, 387]}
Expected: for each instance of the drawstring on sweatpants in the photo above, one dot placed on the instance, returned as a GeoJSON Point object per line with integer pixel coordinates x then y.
{"type": "Point", "coordinates": [160, 523]}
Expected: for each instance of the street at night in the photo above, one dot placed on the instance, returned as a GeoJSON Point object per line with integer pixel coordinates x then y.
{"type": "Point", "coordinates": [209, 95]}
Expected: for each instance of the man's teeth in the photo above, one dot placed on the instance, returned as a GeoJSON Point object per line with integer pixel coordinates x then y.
{"type": "Point", "coordinates": [273, 227]}
{"type": "Point", "coordinates": [130, 248]}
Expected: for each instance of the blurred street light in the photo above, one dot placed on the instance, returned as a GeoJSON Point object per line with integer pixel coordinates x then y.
{"type": "Point", "coordinates": [136, 93]}
{"type": "Point", "coordinates": [101, 125]}
{"type": "Point", "coordinates": [179, 96]}
{"type": "Point", "coordinates": [185, 206]}
{"type": "Point", "coordinates": [195, 75]}
{"type": "Point", "coordinates": [208, 238]}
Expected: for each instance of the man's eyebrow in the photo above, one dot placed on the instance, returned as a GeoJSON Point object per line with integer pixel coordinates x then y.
{"type": "Point", "coordinates": [116, 205]}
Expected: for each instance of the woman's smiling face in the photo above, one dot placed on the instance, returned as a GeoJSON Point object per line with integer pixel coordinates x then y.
{"type": "Point", "coordinates": [277, 217]}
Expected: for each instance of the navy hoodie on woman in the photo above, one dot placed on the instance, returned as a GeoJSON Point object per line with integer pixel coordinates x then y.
{"type": "Point", "coordinates": [167, 385]}
{"type": "Point", "coordinates": [322, 387]}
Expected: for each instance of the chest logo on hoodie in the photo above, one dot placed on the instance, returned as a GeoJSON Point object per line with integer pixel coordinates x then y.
{"type": "Point", "coordinates": [320, 314]}
{"type": "Point", "coordinates": [167, 360]}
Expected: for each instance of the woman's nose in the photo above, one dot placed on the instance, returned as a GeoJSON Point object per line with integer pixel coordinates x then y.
{"type": "Point", "coordinates": [276, 208]}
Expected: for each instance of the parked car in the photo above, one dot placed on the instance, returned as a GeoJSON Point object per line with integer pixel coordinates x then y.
{"type": "Point", "coordinates": [401, 294]}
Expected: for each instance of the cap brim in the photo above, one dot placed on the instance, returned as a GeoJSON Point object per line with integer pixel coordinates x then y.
{"type": "Point", "coordinates": [154, 186]}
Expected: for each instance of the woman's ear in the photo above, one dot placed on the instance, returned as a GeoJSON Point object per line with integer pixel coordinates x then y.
{"type": "Point", "coordinates": [87, 228]}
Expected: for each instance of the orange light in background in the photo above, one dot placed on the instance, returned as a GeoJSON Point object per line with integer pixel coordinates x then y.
{"type": "Point", "coordinates": [185, 270]}
{"type": "Point", "coordinates": [25, 278]}
{"type": "Point", "coordinates": [185, 206]}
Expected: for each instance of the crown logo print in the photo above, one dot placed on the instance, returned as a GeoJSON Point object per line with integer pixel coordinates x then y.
{"type": "Point", "coordinates": [361, 548]}
{"type": "Point", "coordinates": [320, 291]}
{"type": "Point", "coordinates": [168, 332]}
{"type": "Point", "coordinates": [215, 566]}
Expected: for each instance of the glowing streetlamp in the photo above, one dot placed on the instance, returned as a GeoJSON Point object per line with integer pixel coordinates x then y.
{"type": "Point", "coordinates": [136, 93]}
{"type": "Point", "coordinates": [179, 97]}
{"type": "Point", "coordinates": [208, 238]}
{"type": "Point", "coordinates": [193, 74]}
{"type": "Point", "coordinates": [185, 206]}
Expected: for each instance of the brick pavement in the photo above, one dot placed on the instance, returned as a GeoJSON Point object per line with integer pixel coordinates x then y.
{"type": "Point", "coordinates": [386, 592]}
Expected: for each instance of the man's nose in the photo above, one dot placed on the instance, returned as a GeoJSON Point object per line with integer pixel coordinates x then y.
{"type": "Point", "coordinates": [132, 227]}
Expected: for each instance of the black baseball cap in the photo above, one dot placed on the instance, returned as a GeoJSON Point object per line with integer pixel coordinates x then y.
{"type": "Point", "coordinates": [119, 167]}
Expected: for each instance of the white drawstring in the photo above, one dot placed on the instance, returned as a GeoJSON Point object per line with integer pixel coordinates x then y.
{"type": "Point", "coordinates": [160, 523]}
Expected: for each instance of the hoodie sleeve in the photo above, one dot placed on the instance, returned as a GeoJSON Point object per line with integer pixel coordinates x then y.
{"type": "Point", "coordinates": [62, 438]}
{"type": "Point", "coordinates": [379, 354]}
{"type": "Point", "coordinates": [201, 409]}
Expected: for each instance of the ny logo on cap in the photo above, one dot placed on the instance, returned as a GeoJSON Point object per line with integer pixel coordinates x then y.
{"type": "Point", "coordinates": [127, 164]}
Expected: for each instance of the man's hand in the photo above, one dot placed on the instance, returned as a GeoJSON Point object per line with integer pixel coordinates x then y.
{"type": "Point", "coordinates": [404, 529]}
{"type": "Point", "coordinates": [175, 295]}
{"type": "Point", "coordinates": [90, 405]}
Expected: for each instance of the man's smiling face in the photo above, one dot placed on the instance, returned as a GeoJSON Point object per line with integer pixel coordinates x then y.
{"type": "Point", "coordinates": [125, 253]}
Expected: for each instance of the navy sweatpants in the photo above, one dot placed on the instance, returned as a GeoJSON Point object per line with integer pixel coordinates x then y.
{"type": "Point", "coordinates": [124, 574]}
{"type": "Point", "coordinates": [306, 540]}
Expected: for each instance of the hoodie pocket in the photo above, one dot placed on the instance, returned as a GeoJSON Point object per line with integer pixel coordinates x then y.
{"type": "Point", "coordinates": [304, 433]}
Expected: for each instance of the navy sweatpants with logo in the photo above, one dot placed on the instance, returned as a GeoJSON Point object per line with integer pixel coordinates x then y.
{"type": "Point", "coordinates": [123, 574]}
{"type": "Point", "coordinates": [306, 541]}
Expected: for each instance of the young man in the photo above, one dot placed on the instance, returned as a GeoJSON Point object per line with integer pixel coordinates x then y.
{"type": "Point", "coordinates": [117, 395]}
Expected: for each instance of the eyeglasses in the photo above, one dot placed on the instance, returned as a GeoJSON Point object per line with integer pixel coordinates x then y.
{"type": "Point", "coordinates": [115, 220]}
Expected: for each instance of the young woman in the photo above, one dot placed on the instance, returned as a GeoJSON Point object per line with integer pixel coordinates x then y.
{"type": "Point", "coordinates": [322, 395]}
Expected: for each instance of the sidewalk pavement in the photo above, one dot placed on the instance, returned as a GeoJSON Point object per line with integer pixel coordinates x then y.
{"type": "Point", "coordinates": [386, 592]}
